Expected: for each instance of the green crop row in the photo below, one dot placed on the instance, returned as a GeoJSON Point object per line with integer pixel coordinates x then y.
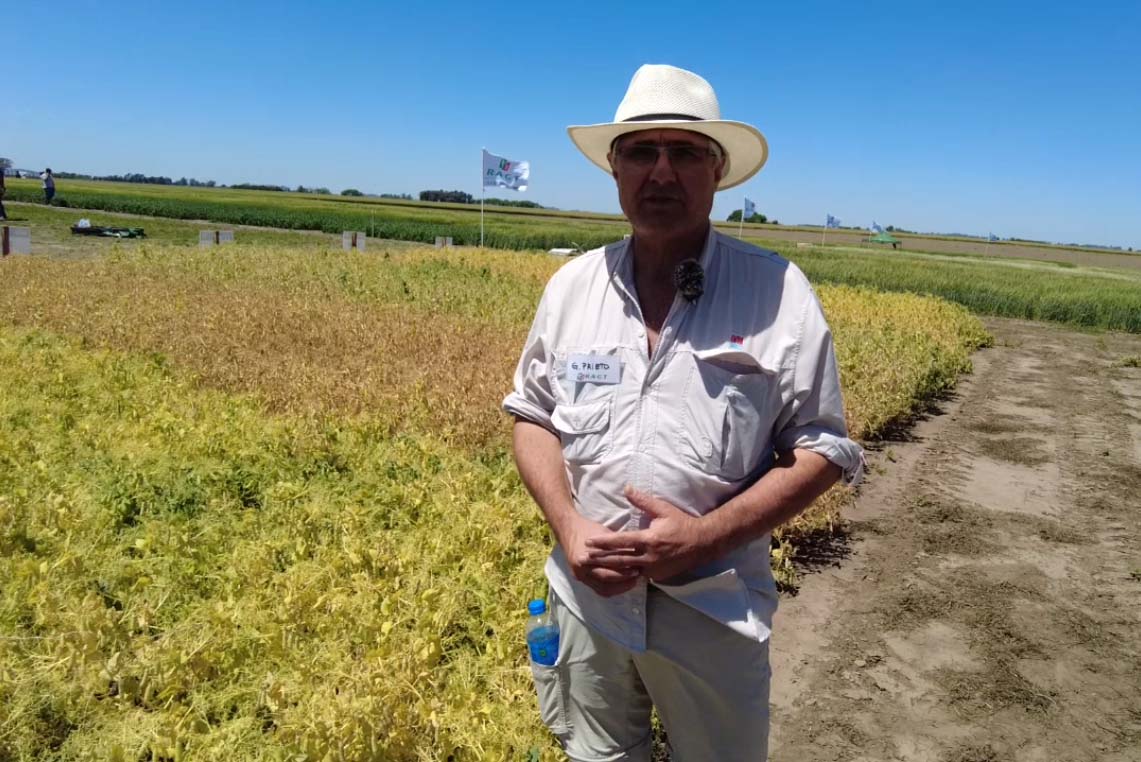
{"type": "Point", "coordinates": [422, 223]}
{"type": "Point", "coordinates": [1009, 288]}
{"type": "Point", "coordinates": [1013, 288]}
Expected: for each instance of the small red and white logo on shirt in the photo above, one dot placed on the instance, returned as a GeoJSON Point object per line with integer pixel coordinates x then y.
{"type": "Point", "coordinates": [735, 339]}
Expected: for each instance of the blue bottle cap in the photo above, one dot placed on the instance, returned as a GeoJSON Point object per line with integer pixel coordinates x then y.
{"type": "Point", "coordinates": [537, 607]}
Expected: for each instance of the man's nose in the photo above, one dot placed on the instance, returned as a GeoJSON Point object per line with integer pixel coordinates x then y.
{"type": "Point", "coordinates": [663, 170]}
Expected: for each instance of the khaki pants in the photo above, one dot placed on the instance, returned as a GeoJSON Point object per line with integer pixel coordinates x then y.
{"type": "Point", "coordinates": [709, 684]}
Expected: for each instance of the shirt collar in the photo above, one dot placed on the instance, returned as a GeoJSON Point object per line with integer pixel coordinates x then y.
{"type": "Point", "coordinates": [620, 262]}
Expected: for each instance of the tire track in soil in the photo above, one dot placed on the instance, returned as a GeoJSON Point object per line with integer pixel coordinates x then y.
{"type": "Point", "coordinates": [991, 605]}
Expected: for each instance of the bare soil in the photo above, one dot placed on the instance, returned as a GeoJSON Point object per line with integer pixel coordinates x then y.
{"type": "Point", "coordinates": [987, 603]}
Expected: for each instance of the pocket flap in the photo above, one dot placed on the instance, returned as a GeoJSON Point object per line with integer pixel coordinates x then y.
{"type": "Point", "coordinates": [732, 358]}
{"type": "Point", "coordinates": [582, 419]}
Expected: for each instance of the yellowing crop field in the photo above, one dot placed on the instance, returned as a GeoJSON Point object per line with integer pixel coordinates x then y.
{"type": "Point", "coordinates": [256, 503]}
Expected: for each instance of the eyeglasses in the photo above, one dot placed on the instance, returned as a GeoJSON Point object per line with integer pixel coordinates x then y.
{"type": "Point", "coordinates": [681, 155]}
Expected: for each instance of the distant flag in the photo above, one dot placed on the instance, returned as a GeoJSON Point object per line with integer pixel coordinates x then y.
{"type": "Point", "coordinates": [992, 237]}
{"type": "Point", "coordinates": [504, 173]}
{"type": "Point", "coordinates": [750, 209]}
{"type": "Point", "coordinates": [876, 227]}
{"type": "Point", "coordinates": [832, 222]}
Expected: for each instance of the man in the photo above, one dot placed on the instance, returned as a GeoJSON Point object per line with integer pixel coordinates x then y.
{"type": "Point", "coordinates": [676, 400]}
{"type": "Point", "coordinates": [49, 185]}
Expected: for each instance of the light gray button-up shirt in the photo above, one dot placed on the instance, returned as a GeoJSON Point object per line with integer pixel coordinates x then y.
{"type": "Point", "coordinates": [746, 370]}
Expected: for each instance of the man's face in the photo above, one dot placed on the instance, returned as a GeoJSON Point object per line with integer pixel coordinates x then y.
{"type": "Point", "coordinates": [666, 179]}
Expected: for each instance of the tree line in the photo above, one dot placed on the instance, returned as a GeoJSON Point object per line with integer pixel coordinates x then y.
{"type": "Point", "coordinates": [137, 177]}
{"type": "Point", "coordinates": [460, 197]}
{"type": "Point", "coordinates": [735, 216]}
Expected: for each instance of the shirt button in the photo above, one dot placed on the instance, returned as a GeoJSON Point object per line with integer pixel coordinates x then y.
{"type": "Point", "coordinates": [641, 334]}
{"type": "Point", "coordinates": [637, 610]}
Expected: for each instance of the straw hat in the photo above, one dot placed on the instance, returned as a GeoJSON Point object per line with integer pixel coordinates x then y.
{"type": "Point", "coordinates": [665, 97]}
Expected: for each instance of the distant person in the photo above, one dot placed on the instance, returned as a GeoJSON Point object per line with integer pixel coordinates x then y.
{"type": "Point", "coordinates": [3, 190]}
{"type": "Point", "coordinates": [676, 400]}
{"type": "Point", "coordinates": [49, 185]}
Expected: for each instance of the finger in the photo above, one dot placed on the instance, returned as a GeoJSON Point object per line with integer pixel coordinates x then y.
{"type": "Point", "coordinates": [635, 552]}
{"type": "Point", "coordinates": [610, 574]}
{"type": "Point", "coordinates": [620, 562]}
{"type": "Point", "coordinates": [617, 540]}
{"type": "Point", "coordinates": [647, 503]}
{"type": "Point", "coordinates": [594, 555]}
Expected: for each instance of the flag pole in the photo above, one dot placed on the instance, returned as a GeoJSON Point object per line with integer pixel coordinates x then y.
{"type": "Point", "coordinates": [824, 232]}
{"type": "Point", "coordinates": [482, 196]}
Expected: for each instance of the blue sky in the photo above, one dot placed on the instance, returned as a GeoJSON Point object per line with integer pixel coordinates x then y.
{"type": "Point", "coordinates": [1022, 119]}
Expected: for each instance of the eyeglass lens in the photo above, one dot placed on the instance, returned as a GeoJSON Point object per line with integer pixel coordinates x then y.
{"type": "Point", "coordinates": [679, 154]}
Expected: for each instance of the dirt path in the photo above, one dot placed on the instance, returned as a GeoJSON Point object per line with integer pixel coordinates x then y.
{"type": "Point", "coordinates": [990, 608]}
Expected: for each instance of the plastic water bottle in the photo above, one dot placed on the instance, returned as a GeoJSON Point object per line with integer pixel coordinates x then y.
{"type": "Point", "coordinates": [542, 634]}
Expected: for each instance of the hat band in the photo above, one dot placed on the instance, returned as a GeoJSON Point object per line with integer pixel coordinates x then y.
{"type": "Point", "coordinates": [664, 117]}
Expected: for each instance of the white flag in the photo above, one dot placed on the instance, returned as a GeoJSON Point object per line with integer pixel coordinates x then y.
{"type": "Point", "coordinates": [504, 173]}
{"type": "Point", "coordinates": [750, 209]}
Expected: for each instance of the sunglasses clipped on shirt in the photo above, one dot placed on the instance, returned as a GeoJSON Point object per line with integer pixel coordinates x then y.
{"type": "Point", "coordinates": [680, 155]}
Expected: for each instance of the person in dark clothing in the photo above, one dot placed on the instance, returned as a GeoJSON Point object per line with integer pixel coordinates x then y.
{"type": "Point", "coordinates": [49, 186]}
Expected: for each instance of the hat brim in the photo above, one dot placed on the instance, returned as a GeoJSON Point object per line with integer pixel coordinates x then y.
{"type": "Point", "coordinates": [745, 147]}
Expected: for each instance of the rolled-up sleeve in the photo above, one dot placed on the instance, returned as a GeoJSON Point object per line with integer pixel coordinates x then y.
{"type": "Point", "coordinates": [532, 398]}
{"type": "Point", "coordinates": [812, 418]}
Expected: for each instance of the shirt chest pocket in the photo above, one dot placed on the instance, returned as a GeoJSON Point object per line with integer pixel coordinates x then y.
{"type": "Point", "coordinates": [584, 429]}
{"type": "Point", "coordinates": [723, 425]}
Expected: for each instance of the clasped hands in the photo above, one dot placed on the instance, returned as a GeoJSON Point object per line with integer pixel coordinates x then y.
{"type": "Point", "coordinates": [611, 563]}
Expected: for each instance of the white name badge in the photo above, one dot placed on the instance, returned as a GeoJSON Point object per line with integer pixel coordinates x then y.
{"type": "Point", "coordinates": [594, 369]}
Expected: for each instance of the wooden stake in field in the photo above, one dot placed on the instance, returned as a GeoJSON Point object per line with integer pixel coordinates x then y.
{"type": "Point", "coordinates": [208, 238]}
{"type": "Point", "coordinates": [15, 240]}
{"type": "Point", "coordinates": [353, 239]}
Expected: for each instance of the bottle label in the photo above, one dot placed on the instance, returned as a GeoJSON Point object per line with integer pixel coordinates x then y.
{"type": "Point", "coordinates": [544, 648]}
{"type": "Point", "coordinates": [543, 653]}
